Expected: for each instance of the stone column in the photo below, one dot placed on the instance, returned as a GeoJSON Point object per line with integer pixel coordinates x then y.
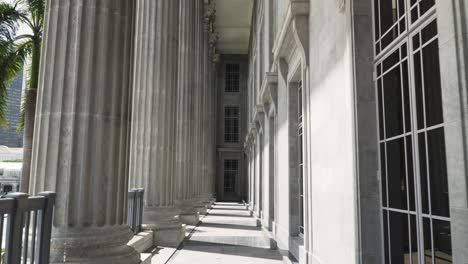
{"type": "Point", "coordinates": [153, 142]}
{"type": "Point", "coordinates": [184, 113]}
{"type": "Point", "coordinates": [198, 148]}
{"type": "Point", "coordinates": [212, 99]}
{"type": "Point", "coordinates": [207, 138]}
{"type": "Point", "coordinates": [82, 123]}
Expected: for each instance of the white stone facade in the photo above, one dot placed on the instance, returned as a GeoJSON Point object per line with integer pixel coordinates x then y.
{"type": "Point", "coordinates": [325, 49]}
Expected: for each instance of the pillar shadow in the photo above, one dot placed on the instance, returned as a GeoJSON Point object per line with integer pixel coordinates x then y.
{"type": "Point", "coordinates": [231, 226]}
{"type": "Point", "coordinates": [229, 215]}
{"type": "Point", "coordinates": [229, 249]}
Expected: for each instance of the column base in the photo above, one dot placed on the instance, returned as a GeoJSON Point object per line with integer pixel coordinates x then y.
{"type": "Point", "coordinates": [200, 206]}
{"type": "Point", "coordinates": [93, 245]}
{"type": "Point", "coordinates": [188, 213]}
{"type": "Point", "coordinates": [190, 219]}
{"type": "Point", "coordinates": [201, 210]}
{"type": "Point", "coordinates": [167, 228]}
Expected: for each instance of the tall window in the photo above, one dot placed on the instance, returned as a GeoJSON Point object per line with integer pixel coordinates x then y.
{"type": "Point", "coordinates": [231, 170]}
{"type": "Point", "coordinates": [415, 195]}
{"type": "Point", "coordinates": [232, 78]}
{"type": "Point", "coordinates": [300, 137]}
{"type": "Point", "coordinates": [231, 124]}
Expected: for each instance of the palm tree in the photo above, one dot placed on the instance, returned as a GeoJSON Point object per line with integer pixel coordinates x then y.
{"type": "Point", "coordinates": [14, 51]}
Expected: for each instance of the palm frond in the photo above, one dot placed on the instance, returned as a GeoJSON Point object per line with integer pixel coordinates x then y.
{"type": "Point", "coordinates": [15, 49]}
{"type": "Point", "coordinates": [10, 16]}
{"type": "Point", "coordinates": [12, 57]}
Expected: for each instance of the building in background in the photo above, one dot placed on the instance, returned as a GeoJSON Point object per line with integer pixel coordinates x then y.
{"type": "Point", "coordinates": [9, 136]}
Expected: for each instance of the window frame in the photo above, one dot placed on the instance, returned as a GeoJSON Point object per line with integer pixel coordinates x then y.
{"type": "Point", "coordinates": [229, 78]}
{"type": "Point", "coordinates": [413, 28]}
{"type": "Point", "coordinates": [239, 116]}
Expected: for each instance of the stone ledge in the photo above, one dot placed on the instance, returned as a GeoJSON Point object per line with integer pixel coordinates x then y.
{"type": "Point", "coordinates": [142, 241]}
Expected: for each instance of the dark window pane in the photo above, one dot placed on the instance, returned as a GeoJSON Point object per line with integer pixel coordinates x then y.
{"type": "Point", "coordinates": [414, 239]}
{"type": "Point", "coordinates": [438, 173]}
{"type": "Point", "coordinates": [231, 124]}
{"type": "Point", "coordinates": [391, 60]}
{"type": "Point", "coordinates": [389, 37]}
{"type": "Point", "coordinates": [397, 191]}
{"type": "Point", "coordinates": [393, 103]}
{"type": "Point", "coordinates": [388, 14]}
{"type": "Point", "coordinates": [376, 19]}
{"type": "Point", "coordinates": [442, 242]}
{"type": "Point", "coordinates": [406, 94]}
{"type": "Point", "coordinates": [425, 5]}
{"type": "Point", "coordinates": [402, 25]}
{"type": "Point", "coordinates": [416, 42]}
{"type": "Point", "coordinates": [388, 21]}
{"type": "Point", "coordinates": [401, 7]}
{"type": "Point", "coordinates": [385, 231]}
{"type": "Point", "coordinates": [404, 51]}
{"type": "Point", "coordinates": [432, 85]}
{"type": "Point", "coordinates": [384, 174]}
{"type": "Point", "coordinates": [231, 168]}
{"type": "Point", "coordinates": [399, 238]}
{"type": "Point", "coordinates": [232, 78]}
{"type": "Point", "coordinates": [409, 164]}
{"type": "Point", "coordinates": [381, 107]}
{"type": "Point", "coordinates": [414, 15]}
{"type": "Point", "coordinates": [429, 32]}
{"type": "Point", "coordinates": [427, 241]}
{"type": "Point", "coordinates": [423, 173]}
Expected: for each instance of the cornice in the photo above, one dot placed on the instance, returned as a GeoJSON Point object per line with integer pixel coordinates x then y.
{"type": "Point", "coordinates": [294, 33]}
{"type": "Point", "coordinates": [268, 93]}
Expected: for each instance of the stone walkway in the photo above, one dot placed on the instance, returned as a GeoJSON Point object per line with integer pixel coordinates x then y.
{"type": "Point", "coordinates": [227, 234]}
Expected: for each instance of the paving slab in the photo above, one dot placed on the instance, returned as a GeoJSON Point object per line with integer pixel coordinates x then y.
{"type": "Point", "coordinates": [227, 234]}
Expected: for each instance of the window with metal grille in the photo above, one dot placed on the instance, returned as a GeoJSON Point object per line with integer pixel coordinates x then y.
{"type": "Point", "coordinates": [231, 170]}
{"type": "Point", "coordinates": [413, 163]}
{"type": "Point", "coordinates": [232, 78]}
{"type": "Point", "coordinates": [231, 124]}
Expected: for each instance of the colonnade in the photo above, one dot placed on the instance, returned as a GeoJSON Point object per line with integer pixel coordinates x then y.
{"type": "Point", "coordinates": [172, 111]}
{"type": "Point", "coordinates": [126, 99]}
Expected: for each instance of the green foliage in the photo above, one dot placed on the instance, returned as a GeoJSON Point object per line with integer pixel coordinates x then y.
{"type": "Point", "coordinates": [15, 49]}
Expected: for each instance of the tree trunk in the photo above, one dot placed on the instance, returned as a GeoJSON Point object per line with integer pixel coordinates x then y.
{"type": "Point", "coordinates": [29, 118]}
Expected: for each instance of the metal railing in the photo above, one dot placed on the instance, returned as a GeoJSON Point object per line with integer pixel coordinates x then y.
{"type": "Point", "coordinates": [25, 227]}
{"type": "Point", "coordinates": [135, 209]}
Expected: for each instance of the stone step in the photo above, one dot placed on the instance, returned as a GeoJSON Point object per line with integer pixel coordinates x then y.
{"type": "Point", "coordinates": [145, 258]}
{"type": "Point", "coordinates": [142, 241]}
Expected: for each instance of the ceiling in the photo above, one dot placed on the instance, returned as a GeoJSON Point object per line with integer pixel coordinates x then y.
{"type": "Point", "coordinates": [233, 21]}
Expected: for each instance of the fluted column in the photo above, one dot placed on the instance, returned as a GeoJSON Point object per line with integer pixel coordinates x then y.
{"type": "Point", "coordinates": [198, 110]}
{"type": "Point", "coordinates": [206, 121]}
{"type": "Point", "coordinates": [185, 113]}
{"type": "Point", "coordinates": [152, 153]}
{"type": "Point", "coordinates": [82, 124]}
{"type": "Point", "coordinates": [212, 36]}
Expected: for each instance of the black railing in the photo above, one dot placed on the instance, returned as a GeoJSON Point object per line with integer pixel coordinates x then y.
{"type": "Point", "coordinates": [25, 227]}
{"type": "Point", "coordinates": [135, 209]}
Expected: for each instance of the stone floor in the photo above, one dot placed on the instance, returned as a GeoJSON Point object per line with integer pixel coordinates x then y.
{"type": "Point", "coordinates": [227, 234]}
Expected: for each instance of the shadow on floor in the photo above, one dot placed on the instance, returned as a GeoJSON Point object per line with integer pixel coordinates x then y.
{"type": "Point", "coordinates": [229, 249]}
{"type": "Point", "coordinates": [231, 226]}
{"type": "Point", "coordinates": [229, 204]}
{"type": "Point", "coordinates": [230, 209]}
{"type": "Point", "coordinates": [229, 215]}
